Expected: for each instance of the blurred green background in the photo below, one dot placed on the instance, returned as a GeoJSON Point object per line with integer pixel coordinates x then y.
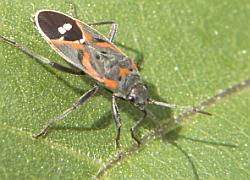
{"type": "Point", "coordinates": [188, 51]}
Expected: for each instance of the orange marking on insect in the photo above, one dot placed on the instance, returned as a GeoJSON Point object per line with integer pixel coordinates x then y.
{"type": "Point", "coordinates": [104, 44]}
{"type": "Point", "coordinates": [107, 45]}
{"type": "Point", "coordinates": [123, 72]}
{"type": "Point", "coordinates": [86, 58]}
{"type": "Point", "coordinates": [86, 63]}
{"type": "Point", "coordinates": [86, 35]}
{"type": "Point", "coordinates": [59, 42]}
{"type": "Point", "coordinates": [112, 84]}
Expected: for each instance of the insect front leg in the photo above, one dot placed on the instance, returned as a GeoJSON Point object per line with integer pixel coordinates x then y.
{"type": "Point", "coordinates": [40, 58]}
{"type": "Point", "coordinates": [135, 127]}
{"type": "Point", "coordinates": [113, 29]}
{"type": "Point", "coordinates": [116, 116]}
{"type": "Point", "coordinates": [80, 101]}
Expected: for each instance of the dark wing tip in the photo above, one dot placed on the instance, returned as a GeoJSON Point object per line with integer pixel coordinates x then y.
{"type": "Point", "coordinates": [54, 25]}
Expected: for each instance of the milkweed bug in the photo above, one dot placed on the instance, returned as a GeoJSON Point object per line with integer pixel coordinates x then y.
{"type": "Point", "coordinates": [94, 55]}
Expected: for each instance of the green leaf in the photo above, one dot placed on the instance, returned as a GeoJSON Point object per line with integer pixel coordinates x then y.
{"type": "Point", "coordinates": [193, 50]}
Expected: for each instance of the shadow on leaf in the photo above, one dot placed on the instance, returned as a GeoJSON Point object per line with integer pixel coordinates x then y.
{"type": "Point", "coordinates": [173, 136]}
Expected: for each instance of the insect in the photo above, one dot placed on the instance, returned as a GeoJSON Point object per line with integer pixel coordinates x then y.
{"type": "Point", "coordinates": [92, 54]}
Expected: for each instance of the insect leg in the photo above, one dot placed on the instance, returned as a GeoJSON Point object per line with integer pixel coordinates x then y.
{"type": "Point", "coordinates": [113, 29]}
{"type": "Point", "coordinates": [80, 101]}
{"type": "Point", "coordinates": [133, 129]}
{"type": "Point", "coordinates": [116, 116]}
{"type": "Point", "coordinates": [187, 108]}
{"type": "Point", "coordinates": [40, 58]}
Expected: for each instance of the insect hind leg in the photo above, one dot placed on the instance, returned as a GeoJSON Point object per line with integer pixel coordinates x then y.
{"type": "Point", "coordinates": [79, 102]}
{"type": "Point", "coordinates": [40, 58]}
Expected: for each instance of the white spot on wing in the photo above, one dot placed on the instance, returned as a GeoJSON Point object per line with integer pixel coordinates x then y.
{"type": "Point", "coordinates": [67, 26]}
{"type": "Point", "coordinates": [61, 30]}
{"type": "Point", "coordinates": [83, 39]}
